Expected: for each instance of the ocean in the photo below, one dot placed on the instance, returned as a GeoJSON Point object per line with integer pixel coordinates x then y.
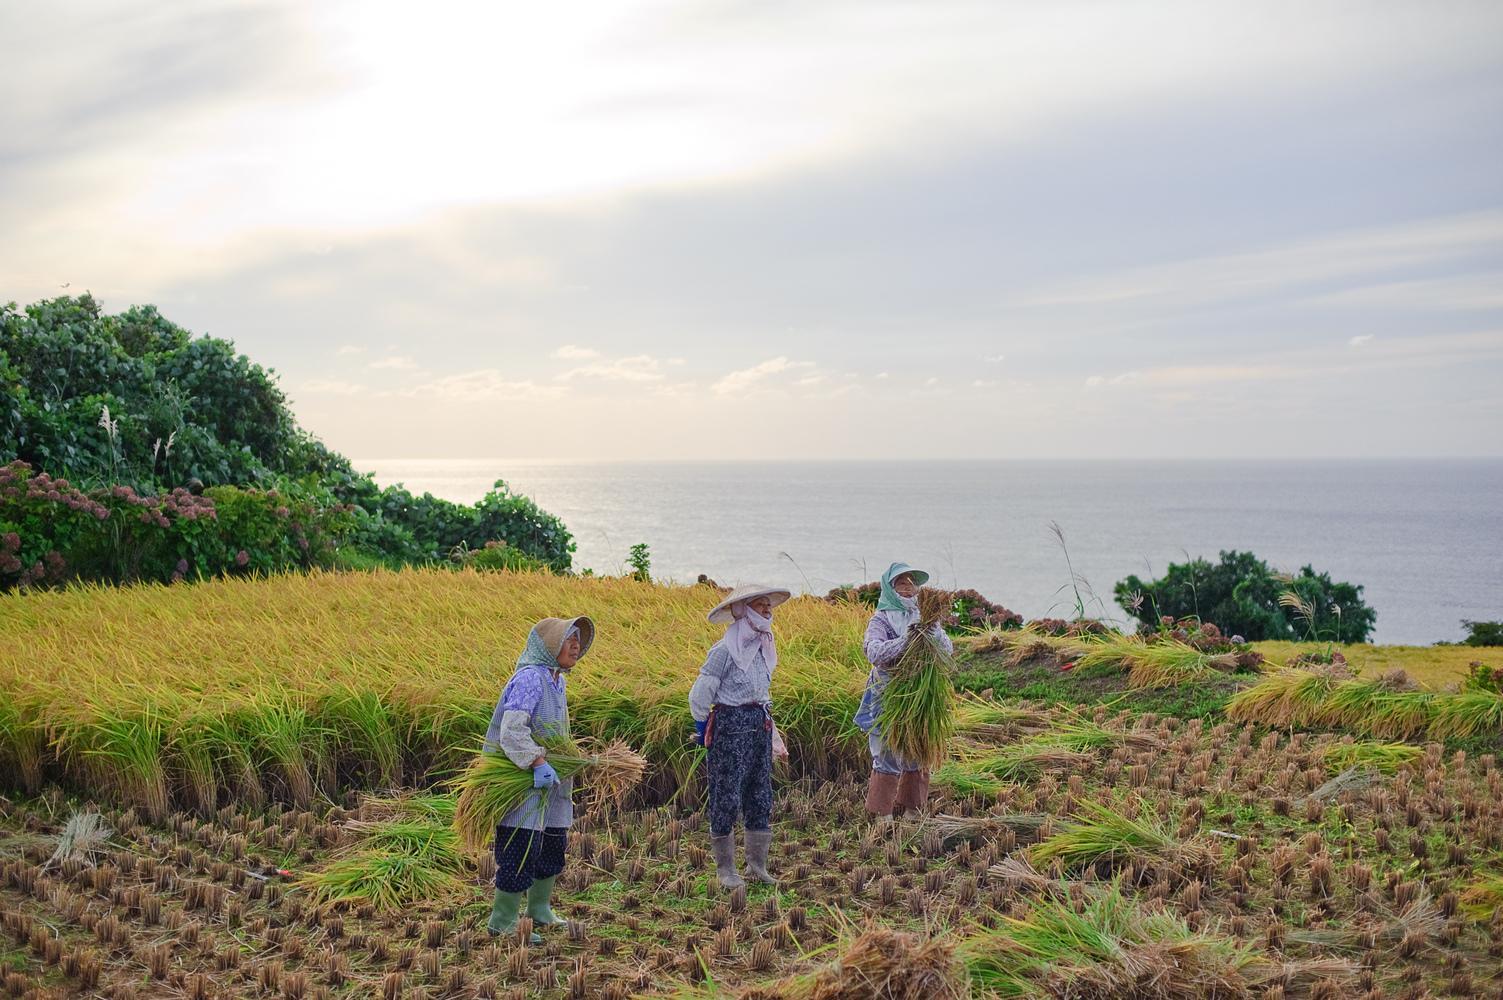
{"type": "Point", "coordinates": [1423, 537]}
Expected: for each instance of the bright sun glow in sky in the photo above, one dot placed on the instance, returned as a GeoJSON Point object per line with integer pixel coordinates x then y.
{"type": "Point", "coordinates": [613, 230]}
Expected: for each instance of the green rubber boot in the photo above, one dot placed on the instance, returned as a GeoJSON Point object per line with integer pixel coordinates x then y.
{"type": "Point", "coordinates": [504, 916]}
{"type": "Point", "coordinates": [539, 900]}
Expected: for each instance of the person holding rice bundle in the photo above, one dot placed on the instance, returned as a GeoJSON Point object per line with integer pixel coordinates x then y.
{"type": "Point", "coordinates": [533, 709]}
{"type": "Point", "coordinates": [731, 702]}
{"type": "Point", "coordinates": [897, 784]}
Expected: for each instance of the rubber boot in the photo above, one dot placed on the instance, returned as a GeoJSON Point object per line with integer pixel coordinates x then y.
{"type": "Point", "coordinates": [881, 793]}
{"type": "Point", "coordinates": [724, 849]}
{"type": "Point", "coordinates": [504, 912]}
{"type": "Point", "coordinates": [539, 900]}
{"type": "Point", "coordinates": [757, 843]}
{"type": "Point", "coordinates": [913, 792]}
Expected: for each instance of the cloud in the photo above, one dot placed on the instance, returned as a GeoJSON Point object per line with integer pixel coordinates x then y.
{"type": "Point", "coordinates": [480, 385]}
{"type": "Point", "coordinates": [637, 368]}
{"type": "Point", "coordinates": [570, 352]}
{"type": "Point", "coordinates": [882, 375]}
{"type": "Point", "coordinates": [396, 362]}
{"type": "Point", "coordinates": [345, 350]}
{"type": "Point", "coordinates": [1359, 340]}
{"type": "Point", "coordinates": [983, 383]}
{"type": "Point", "coordinates": [749, 378]}
{"type": "Point", "coordinates": [1336, 257]}
{"type": "Point", "coordinates": [1124, 378]}
{"type": "Point", "coordinates": [810, 380]}
{"type": "Point", "coordinates": [995, 359]}
{"type": "Point", "coordinates": [332, 387]}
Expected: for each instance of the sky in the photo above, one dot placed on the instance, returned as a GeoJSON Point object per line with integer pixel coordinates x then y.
{"type": "Point", "coordinates": [791, 230]}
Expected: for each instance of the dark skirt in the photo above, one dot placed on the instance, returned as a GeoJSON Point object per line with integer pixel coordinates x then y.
{"type": "Point", "coordinates": [740, 769]}
{"type": "Point", "coordinates": [523, 856]}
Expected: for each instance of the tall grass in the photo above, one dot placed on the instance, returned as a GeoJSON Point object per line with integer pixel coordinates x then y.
{"type": "Point", "coordinates": [291, 685]}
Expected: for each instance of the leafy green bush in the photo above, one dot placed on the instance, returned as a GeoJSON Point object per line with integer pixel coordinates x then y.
{"type": "Point", "coordinates": [500, 556]}
{"type": "Point", "coordinates": [51, 531]}
{"type": "Point", "coordinates": [641, 562]}
{"type": "Point", "coordinates": [1482, 633]}
{"type": "Point", "coordinates": [1244, 597]}
{"type": "Point", "coordinates": [133, 400]}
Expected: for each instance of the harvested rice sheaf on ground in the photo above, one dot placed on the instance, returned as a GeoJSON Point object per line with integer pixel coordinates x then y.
{"type": "Point", "coordinates": [880, 962]}
{"type": "Point", "coordinates": [1102, 834]}
{"type": "Point", "coordinates": [1384, 757]}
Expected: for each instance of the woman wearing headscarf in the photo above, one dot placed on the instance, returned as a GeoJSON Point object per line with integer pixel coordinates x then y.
{"type": "Point", "coordinates": [533, 707]}
{"type": "Point", "coordinates": [897, 785]}
{"type": "Point", "coordinates": [731, 702]}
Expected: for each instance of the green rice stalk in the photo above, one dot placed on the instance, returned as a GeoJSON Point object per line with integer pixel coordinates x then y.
{"type": "Point", "coordinates": [492, 786]}
{"type": "Point", "coordinates": [22, 744]}
{"type": "Point", "coordinates": [962, 781]}
{"type": "Point", "coordinates": [389, 880]}
{"type": "Point", "coordinates": [1102, 834]}
{"type": "Point", "coordinates": [364, 733]}
{"type": "Point", "coordinates": [123, 750]}
{"type": "Point", "coordinates": [1281, 699]}
{"type": "Point", "coordinates": [1467, 714]}
{"type": "Point", "coordinates": [1109, 948]}
{"type": "Point", "coordinates": [917, 716]}
{"type": "Point", "coordinates": [1483, 899]}
{"type": "Point", "coordinates": [1386, 758]}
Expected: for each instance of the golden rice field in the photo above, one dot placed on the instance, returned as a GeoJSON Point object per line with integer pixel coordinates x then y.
{"type": "Point", "coordinates": [1433, 666]}
{"type": "Point", "coordinates": [278, 687]}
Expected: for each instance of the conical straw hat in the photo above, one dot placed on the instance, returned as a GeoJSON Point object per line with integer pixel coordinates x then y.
{"type": "Point", "coordinates": [721, 613]}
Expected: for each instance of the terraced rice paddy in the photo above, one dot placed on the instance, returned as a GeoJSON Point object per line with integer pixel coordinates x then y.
{"type": "Point", "coordinates": [262, 838]}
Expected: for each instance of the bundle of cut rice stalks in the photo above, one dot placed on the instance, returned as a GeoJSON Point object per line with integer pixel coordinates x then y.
{"type": "Point", "coordinates": [981, 828]}
{"type": "Point", "coordinates": [918, 710]}
{"type": "Point", "coordinates": [879, 962]}
{"type": "Point", "coordinates": [492, 785]}
{"type": "Point", "coordinates": [984, 718]}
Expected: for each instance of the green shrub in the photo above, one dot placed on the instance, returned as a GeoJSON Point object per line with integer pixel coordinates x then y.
{"type": "Point", "coordinates": [52, 532]}
{"type": "Point", "coordinates": [500, 556]}
{"type": "Point", "coordinates": [1243, 596]}
{"type": "Point", "coordinates": [133, 400]}
{"type": "Point", "coordinates": [1483, 633]}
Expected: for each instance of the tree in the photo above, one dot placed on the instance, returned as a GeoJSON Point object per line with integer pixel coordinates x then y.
{"type": "Point", "coordinates": [1243, 596]}
{"type": "Point", "coordinates": [185, 408]}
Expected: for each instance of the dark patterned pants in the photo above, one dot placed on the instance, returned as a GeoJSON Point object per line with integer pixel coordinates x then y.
{"type": "Point", "coordinates": [523, 856]}
{"type": "Point", "coordinates": [740, 766]}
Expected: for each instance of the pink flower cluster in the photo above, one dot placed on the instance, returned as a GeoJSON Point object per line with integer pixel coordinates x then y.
{"type": "Point", "coordinates": [155, 510]}
{"type": "Point", "coordinates": [49, 567]}
{"type": "Point", "coordinates": [16, 483]}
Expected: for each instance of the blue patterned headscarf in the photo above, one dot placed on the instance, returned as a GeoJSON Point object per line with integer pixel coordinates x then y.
{"type": "Point", "coordinates": [890, 601]}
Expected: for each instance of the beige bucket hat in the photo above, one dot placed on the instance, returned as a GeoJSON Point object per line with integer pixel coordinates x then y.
{"type": "Point", "coordinates": [720, 614]}
{"type": "Point", "coordinates": [553, 630]}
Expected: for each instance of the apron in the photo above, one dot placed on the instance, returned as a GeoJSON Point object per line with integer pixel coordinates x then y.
{"type": "Point", "coordinates": [550, 718]}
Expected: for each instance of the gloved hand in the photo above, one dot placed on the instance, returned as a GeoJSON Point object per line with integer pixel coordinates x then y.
{"type": "Point", "coordinates": [699, 731]}
{"type": "Point", "coordinates": [544, 776]}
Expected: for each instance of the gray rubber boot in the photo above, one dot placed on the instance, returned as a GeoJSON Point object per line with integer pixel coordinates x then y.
{"type": "Point", "coordinates": [724, 849]}
{"type": "Point", "coordinates": [757, 843]}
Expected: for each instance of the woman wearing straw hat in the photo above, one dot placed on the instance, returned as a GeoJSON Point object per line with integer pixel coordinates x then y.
{"type": "Point", "coordinates": [897, 785]}
{"type": "Point", "coordinates": [531, 838]}
{"type": "Point", "coordinates": [731, 702]}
